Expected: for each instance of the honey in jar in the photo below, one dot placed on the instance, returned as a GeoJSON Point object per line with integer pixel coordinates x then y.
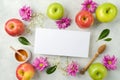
{"type": "Point", "coordinates": [19, 58]}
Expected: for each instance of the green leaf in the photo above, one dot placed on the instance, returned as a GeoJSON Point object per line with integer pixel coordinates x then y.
{"type": "Point", "coordinates": [23, 41]}
{"type": "Point", "coordinates": [104, 34]}
{"type": "Point", "coordinates": [108, 39]}
{"type": "Point", "coordinates": [50, 70]}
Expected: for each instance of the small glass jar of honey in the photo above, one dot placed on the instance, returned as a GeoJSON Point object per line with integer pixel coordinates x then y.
{"type": "Point", "coordinates": [24, 52]}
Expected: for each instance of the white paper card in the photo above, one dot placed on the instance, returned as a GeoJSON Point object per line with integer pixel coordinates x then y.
{"type": "Point", "coordinates": [62, 42]}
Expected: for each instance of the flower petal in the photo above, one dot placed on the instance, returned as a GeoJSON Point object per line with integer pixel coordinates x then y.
{"type": "Point", "coordinates": [63, 23]}
{"type": "Point", "coordinates": [38, 61]}
{"type": "Point", "coordinates": [89, 5]}
{"type": "Point", "coordinates": [26, 13]}
{"type": "Point", "coordinates": [113, 62]}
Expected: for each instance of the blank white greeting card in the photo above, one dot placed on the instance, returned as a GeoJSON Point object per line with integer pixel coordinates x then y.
{"type": "Point", "coordinates": [61, 42]}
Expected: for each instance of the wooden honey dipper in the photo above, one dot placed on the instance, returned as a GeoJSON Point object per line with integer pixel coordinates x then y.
{"type": "Point", "coordinates": [23, 57]}
{"type": "Point", "coordinates": [99, 51]}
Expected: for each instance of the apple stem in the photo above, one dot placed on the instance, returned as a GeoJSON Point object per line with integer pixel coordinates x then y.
{"type": "Point", "coordinates": [99, 51]}
{"type": "Point", "coordinates": [107, 10]}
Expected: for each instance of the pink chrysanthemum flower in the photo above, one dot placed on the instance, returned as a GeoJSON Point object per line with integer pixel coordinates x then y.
{"type": "Point", "coordinates": [72, 68]}
{"type": "Point", "coordinates": [89, 5]}
{"type": "Point", "coordinates": [40, 63]}
{"type": "Point", "coordinates": [110, 62]}
{"type": "Point", "coordinates": [63, 23]}
{"type": "Point", "coordinates": [26, 13]}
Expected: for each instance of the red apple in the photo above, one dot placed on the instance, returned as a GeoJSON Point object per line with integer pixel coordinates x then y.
{"type": "Point", "coordinates": [25, 71]}
{"type": "Point", "coordinates": [84, 19]}
{"type": "Point", "coordinates": [14, 27]}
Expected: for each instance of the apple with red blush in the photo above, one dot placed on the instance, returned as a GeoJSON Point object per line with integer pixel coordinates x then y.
{"type": "Point", "coordinates": [25, 71]}
{"type": "Point", "coordinates": [14, 27]}
{"type": "Point", "coordinates": [84, 19]}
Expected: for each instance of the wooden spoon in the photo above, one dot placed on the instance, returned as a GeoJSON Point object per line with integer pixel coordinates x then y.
{"type": "Point", "coordinates": [23, 57]}
{"type": "Point", "coordinates": [99, 51]}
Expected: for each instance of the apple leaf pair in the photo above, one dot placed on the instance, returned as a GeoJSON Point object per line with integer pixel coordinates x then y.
{"type": "Point", "coordinates": [104, 34]}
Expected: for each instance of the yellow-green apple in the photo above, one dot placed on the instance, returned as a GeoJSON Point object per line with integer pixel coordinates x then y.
{"type": "Point", "coordinates": [106, 12]}
{"type": "Point", "coordinates": [84, 19]}
{"type": "Point", "coordinates": [25, 71]}
{"type": "Point", "coordinates": [97, 71]}
{"type": "Point", "coordinates": [55, 11]}
{"type": "Point", "coordinates": [14, 27]}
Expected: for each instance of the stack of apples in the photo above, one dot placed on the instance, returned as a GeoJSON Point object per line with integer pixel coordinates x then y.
{"type": "Point", "coordinates": [105, 12]}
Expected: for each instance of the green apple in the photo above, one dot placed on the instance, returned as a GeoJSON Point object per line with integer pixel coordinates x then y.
{"type": "Point", "coordinates": [55, 11]}
{"type": "Point", "coordinates": [106, 12]}
{"type": "Point", "coordinates": [97, 71]}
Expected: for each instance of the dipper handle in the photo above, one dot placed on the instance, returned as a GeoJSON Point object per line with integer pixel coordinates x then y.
{"type": "Point", "coordinates": [99, 51]}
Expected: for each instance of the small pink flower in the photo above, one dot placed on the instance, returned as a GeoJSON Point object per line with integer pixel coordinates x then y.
{"type": "Point", "coordinates": [89, 5]}
{"type": "Point", "coordinates": [72, 68]}
{"type": "Point", "coordinates": [26, 13]}
{"type": "Point", "coordinates": [40, 63]}
{"type": "Point", "coordinates": [110, 62]}
{"type": "Point", "coordinates": [63, 23]}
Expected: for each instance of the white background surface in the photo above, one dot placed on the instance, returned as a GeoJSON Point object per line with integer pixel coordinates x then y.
{"type": "Point", "coordinates": [9, 9]}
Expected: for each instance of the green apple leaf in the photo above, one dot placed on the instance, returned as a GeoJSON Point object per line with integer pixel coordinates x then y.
{"type": "Point", "coordinates": [104, 34]}
{"type": "Point", "coordinates": [108, 39]}
{"type": "Point", "coordinates": [23, 41]}
{"type": "Point", "coordinates": [52, 69]}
